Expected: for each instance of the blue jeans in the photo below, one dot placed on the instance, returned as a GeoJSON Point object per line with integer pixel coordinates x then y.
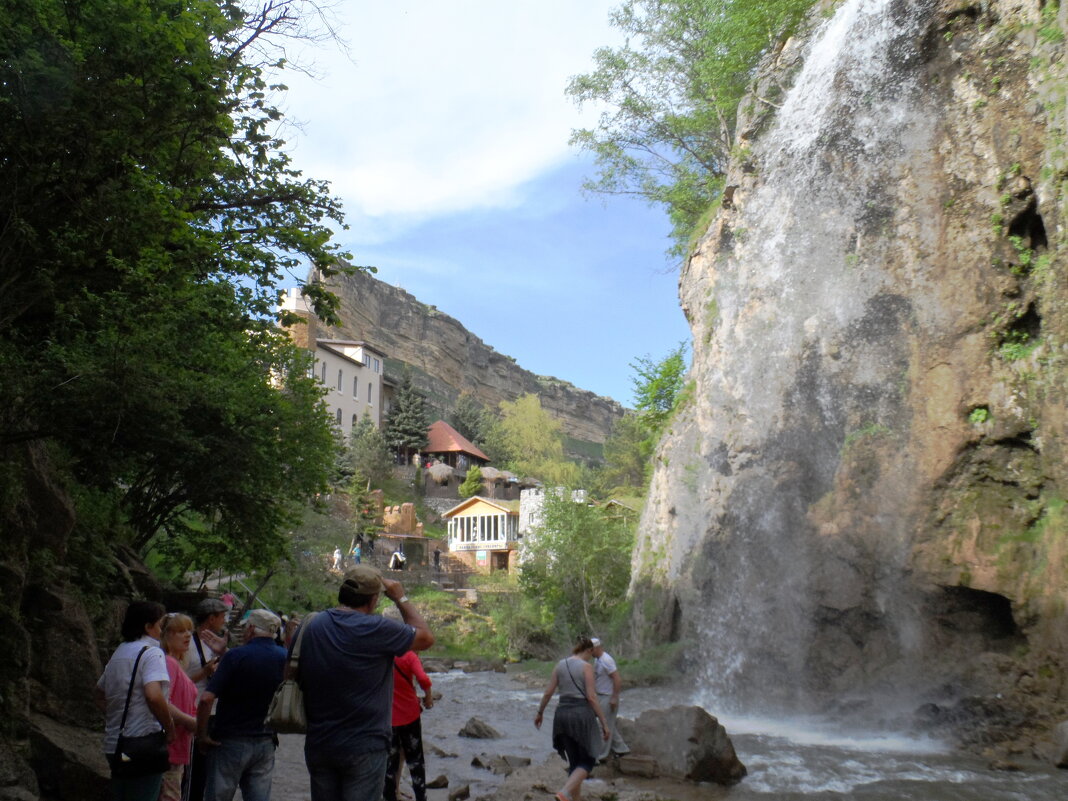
{"type": "Point", "coordinates": [355, 778]}
{"type": "Point", "coordinates": [245, 762]}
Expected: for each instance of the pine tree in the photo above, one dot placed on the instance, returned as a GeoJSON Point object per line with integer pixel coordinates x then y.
{"type": "Point", "coordinates": [407, 423]}
{"type": "Point", "coordinates": [472, 483]}
{"type": "Point", "coordinates": [467, 418]}
{"type": "Point", "coordinates": [368, 455]}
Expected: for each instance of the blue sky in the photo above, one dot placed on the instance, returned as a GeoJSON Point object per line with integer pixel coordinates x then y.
{"type": "Point", "coordinates": [444, 131]}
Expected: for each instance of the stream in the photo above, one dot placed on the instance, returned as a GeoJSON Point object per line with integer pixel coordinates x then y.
{"type": "Point", "coordinates": [787, 759]}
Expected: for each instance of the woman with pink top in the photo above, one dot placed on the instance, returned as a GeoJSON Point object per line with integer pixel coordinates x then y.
{"type": "Point", "coordinates": [175, 638]}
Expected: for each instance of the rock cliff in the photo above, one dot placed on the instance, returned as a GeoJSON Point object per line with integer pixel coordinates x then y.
{"type": "Point", "coordinates": [864, 495]}
{"type": "Point", "coordinates": [448, 360]}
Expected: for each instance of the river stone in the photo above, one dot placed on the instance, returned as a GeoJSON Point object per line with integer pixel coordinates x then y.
{"type": "Point", "coordinates": [479, 730]}
{"type": "Point", "coordinates": [439, 752]}
{"type": "Point", "coordinates": [438, 783]}
{"type": "Point", "coordinates": [1060, 745]}
{"type": "Point", "coordinates": [460, 793]}
{"type": "Point", "coordinates": [686, 742]}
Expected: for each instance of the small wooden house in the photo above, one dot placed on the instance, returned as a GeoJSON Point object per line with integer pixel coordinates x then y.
{"type": "Point", "coordinates": [484, 533]}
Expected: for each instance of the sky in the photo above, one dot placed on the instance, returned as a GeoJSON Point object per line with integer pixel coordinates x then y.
{"type": "Point", "coordinates": [444, 130]}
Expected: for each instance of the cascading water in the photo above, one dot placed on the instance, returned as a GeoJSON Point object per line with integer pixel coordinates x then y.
{"type": "Point", "coordinates": [804, 256]}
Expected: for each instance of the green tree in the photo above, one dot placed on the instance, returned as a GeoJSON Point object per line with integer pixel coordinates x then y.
{"type": "Point", "coordinates": [671, 96]}
{"type": "Point", "coordinates": [368, 453]}
{"type": "Point", "coordinates": [533, 440]}
{"type": "Point", "coordinates": [407, 423]}
{"type": "Point", "coordinates": [149, 210]}
{"type": "Point", "coordinates": [472, 483]}
{"type": "Point", "coordinates": [577, 562]}
{"type": "Point", "coordinates": [627, 453]}
{"type": "Point", "coordinates": [468, 417]}
{"type": "Point", "coordinates": [657, 386]}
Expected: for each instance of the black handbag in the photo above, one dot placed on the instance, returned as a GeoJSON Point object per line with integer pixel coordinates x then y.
{"type": "Point", "coordinates": [139, 756]}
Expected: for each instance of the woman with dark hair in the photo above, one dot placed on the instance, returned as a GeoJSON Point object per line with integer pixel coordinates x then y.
{"type": "Point", "coordinates": [146, 689]}
{"type": "Point", "coordinates": [575, 723]}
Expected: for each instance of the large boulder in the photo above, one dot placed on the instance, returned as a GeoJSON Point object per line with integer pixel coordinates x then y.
{"type": "Point", "coordinates": [686, 742]}
{"type": "Point", "coordinates": [69, 761]}
{"type": "Point", "coordinates": [1060, 745]}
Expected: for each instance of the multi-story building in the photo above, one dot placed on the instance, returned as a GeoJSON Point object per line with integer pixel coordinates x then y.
{"type": "Point", "coordinates": [351, 370]}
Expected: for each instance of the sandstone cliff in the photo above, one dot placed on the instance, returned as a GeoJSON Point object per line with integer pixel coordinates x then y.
{"type": "Point", "coordinates": [448, 360]}
{"type": "Point", "coordinates": [864, 496]}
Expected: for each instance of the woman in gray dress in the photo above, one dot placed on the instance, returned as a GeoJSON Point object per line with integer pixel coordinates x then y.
{"type": "Point", "coordinates": [579, 725]}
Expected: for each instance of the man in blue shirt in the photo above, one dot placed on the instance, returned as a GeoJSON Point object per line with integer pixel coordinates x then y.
{"type": "Point", "coordinates": [241, 747]}
{"type": "Point", "coordinates": [346, 671]}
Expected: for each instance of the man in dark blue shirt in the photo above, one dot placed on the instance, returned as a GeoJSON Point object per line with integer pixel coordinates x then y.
{"type": "Point", "coordinates": [346, 671]}
{"type": "Point", "coordinates": [241, 746]}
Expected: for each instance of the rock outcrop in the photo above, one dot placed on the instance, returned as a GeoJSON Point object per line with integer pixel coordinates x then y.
{"type": "Point", "coordinates": [864, 495]}
{"type": "Point", "coordinates": [447, 360]}
{"type": "Point", "coordinates": [686, 743]}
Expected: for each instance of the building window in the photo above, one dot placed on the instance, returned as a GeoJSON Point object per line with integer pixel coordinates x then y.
{"type": "Point", "coordinates": [323, 378]}
{"type": "Point", "coordinates": [339, 418]}
{"type": "Point", "coordinates": [339, 384]}
{"type": "Point", "coordinates": [354, 422]}
{"type": "Point", "coordinates": [366, 360]}
{"type": "Point", "coordinates": [355, 386]}
{"type": "Point", "coordinates": [368, 393]}
{"type": "Point", "coordinates": [376, 365]}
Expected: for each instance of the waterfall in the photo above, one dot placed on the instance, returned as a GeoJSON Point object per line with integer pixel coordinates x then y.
{"type": "Point", "coordinates": [800, 288]}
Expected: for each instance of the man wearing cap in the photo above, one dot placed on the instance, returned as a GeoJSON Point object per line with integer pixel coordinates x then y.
{"type": "Point", "coordinates": [209, 643]}
{"type": "Point", "coordinates": [346, 672]}
{"type": "Point", "coordinates": [607, 682]}
{"type": "Point", "coordinates": [240, 747]}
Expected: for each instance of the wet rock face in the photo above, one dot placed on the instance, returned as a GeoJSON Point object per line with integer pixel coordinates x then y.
{"type": "Point", "coordinates": [51, 742]}
{"type": "Point", "coordinates": [866, 487]}
{"type": "Point", "coordinates": [448, 360]}
{"type": "Point", "coordinates": [685, 742]}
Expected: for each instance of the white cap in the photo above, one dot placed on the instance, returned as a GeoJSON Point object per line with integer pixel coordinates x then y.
{"type": "Point", "coordinates": [595, 641]}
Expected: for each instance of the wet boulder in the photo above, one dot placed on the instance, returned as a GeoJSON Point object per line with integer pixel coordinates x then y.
{"type": "Point", "coordinates": [686, 742]}
{"type": "Point", "coordinates": [69, 761]}
{"type": "Point", "coordinates": [1060, 745]}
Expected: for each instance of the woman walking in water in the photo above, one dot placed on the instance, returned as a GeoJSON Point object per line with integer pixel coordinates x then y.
{"type": "Point", "coordinates": [578, 714]}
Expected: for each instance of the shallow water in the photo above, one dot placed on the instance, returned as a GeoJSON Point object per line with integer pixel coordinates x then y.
{"type": "Point", "coordinates": [787, 759]}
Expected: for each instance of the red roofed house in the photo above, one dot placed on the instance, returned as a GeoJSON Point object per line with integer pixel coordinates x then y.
{"type": "Point", "coordinates": [449, 446]}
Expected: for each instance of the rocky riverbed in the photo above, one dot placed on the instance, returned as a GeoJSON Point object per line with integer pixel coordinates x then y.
{"type": "Point", "coordinates": [786, 759]}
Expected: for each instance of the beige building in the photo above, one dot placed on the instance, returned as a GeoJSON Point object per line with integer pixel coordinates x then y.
{"type": "Point", "coordinates": [484, 533]}
{"type": "Point", "coordinates": [351, 370]}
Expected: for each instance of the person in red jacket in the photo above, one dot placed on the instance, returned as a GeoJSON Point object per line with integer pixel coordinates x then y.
{"type": "Point", "coordinates": [407, 727]}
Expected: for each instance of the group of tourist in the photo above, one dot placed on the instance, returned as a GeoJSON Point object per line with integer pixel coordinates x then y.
{"type": "Point", "coordinates": [174, 679]}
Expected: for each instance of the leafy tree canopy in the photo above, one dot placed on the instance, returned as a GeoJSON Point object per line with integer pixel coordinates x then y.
{"type": "Point", "coordinates": [577, 562]}
{"type": "Point", "coordinates": [532, 441]}
{"type": "Point", "coordinates": [657, 386]}
{"type": "Point", "coordinates": [149, 211]}
{"type": "Point", "coordinates": [671, 95]}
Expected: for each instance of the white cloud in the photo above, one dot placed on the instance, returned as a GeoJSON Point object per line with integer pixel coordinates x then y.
{"type": "Point", "coordinates": [448, 107]}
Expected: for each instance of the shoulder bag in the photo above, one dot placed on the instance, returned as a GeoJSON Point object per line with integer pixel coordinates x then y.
{"type": "Point", "coordinates": [286, 713]}
{"type": "Point", "coordinates": [139, 756]}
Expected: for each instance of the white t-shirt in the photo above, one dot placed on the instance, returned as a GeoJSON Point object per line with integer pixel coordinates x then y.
{"type": "Point", "coordinates": [603, 668]}
{"type": "Point", "coordinates": [115, 681]}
